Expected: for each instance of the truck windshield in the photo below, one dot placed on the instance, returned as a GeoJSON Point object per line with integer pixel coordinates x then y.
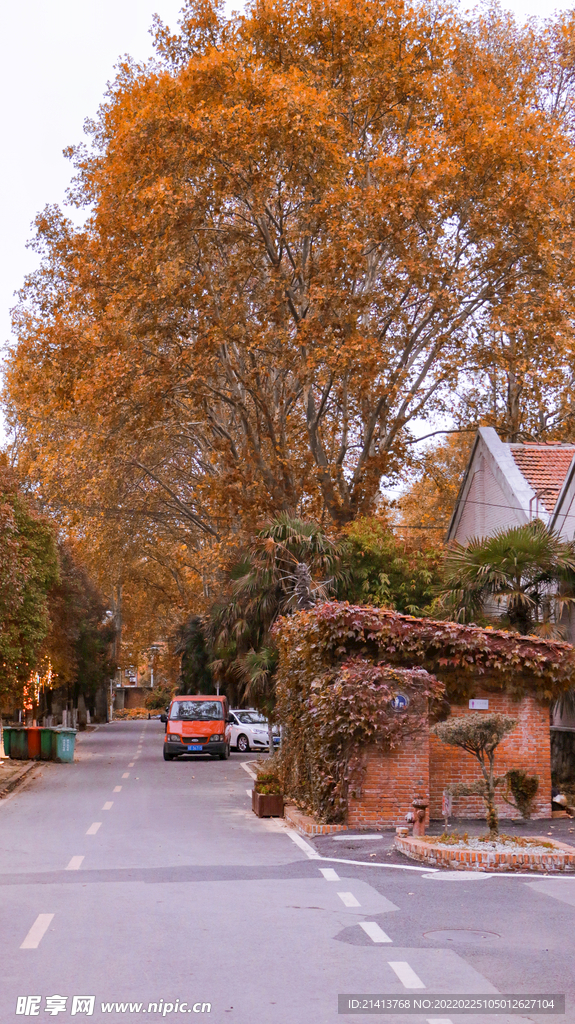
{"type": "Point", "coordinates": [197, 710]}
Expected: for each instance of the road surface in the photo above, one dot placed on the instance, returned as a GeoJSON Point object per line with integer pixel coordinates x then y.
{"type": "Point", "coordinates": [138, 890]}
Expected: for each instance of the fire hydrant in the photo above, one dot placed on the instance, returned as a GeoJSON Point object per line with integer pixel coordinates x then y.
{"type": "Point", "coordinates": [419, 809]}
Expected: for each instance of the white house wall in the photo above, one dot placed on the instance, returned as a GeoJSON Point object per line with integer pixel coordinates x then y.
{"type": "Point", "coordinates": [486, 508]}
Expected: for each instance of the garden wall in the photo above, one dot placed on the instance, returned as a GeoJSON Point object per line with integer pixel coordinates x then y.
{"type": "Point", "coordinates": [527, 747]}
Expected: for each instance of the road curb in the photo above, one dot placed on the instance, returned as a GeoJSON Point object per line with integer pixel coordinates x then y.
{"type": "Point", "coordinates": [17, 779]}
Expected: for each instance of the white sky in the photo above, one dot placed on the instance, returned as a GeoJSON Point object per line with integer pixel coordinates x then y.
{"type": "Point", "coordinates": [55, 60]}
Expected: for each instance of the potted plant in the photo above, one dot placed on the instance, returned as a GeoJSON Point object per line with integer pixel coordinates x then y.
{"type": "Point", "coordinates": [267, 796]}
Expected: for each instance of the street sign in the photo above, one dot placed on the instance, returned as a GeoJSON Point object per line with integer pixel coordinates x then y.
{"type": "Point", "coordinates": [400, 702]}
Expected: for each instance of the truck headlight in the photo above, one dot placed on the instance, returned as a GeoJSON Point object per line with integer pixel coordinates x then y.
{"type": "Point", "coordinates": [216, 738]}
{"type": "Point", "coordinates": [173, 737]}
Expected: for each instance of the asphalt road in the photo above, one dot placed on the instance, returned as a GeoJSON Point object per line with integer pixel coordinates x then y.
{"type": "Point", "coordinates": [137, 881]}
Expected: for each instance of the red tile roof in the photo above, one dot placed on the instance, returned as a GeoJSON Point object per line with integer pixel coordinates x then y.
{"type": "Point", "coordinates": [545, 466]}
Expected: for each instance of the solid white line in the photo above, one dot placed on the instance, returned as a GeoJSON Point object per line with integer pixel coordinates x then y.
{"type": "Point", "coordinates": [117, 789]}
{"type": "Point", "coordinates": [348, 899]}
{"type": "Point", "coordinates": [37, 931]}
{"type": "Point", "coordinates": [126, 775]}
{"type": "Point", "coordinates": [249, 792]}
{"type": "Point", "coordinates": [375, 933]}
{"type": "Point", "coordinates": [406, 974]}
{"type": "Point", "coordinates": [297, 839]}
{"type": "Point", "coordinates": [330, 874]}
{"type": "Point", "coordinates": [75, 864]}
{"type": "Point", "coordinates": [439, 1020]}
{"type": "Point", "coordinates": [372, 864]}
{"type": "Point", "coordinates": [108, 805]}
{"type": "Point", "coordinates": [246, 768]}
{"type": "Point", "coordinates": [93, 828]}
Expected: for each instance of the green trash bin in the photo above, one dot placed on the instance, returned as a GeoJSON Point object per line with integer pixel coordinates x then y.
{"type": "Point", "coordinates": [46, 743]}
{"type": "Point", "coordinates": [6, 734]}
{"type": "Point", "coordinates": [63, 740]}
{"type": "Point", "coordinates": [19, 744]}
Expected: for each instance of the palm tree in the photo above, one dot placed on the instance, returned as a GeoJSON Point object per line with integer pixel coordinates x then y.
{"type": "Point", "coordinates": [289, 565]}
{"type": "Point", "coordinates": [528, 571]}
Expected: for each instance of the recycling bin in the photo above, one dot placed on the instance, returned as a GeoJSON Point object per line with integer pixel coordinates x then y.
{"type": "Point", "coordinates": [6, 734]}
{"type": "Point", "coordinates": [33, 742]}
{"type": "Point", "coordinates": [19, 744]}
{"type": "Point", "coordinates": [63, 740]}
{"type": "Point", "coordinates": [46, 743]}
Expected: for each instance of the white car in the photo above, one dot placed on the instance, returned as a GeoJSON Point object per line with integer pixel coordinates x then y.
{"type": "Point", "coordinates": [250, 730]}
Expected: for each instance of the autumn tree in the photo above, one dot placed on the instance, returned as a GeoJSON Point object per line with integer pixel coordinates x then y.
{"type": "Point", "coordinates": [302, 223]}
{"type": "Point", "coordinates": [28, 571]}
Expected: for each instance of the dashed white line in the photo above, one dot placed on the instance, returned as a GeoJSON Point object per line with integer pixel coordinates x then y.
{"type": "Point", "coordinates": [126, 775]}
{"type": "Point", "coordinates": [108, 805]}
{"type": "Point", "coordinates": [117, 789]}
{"type": "Point", "coordinates": [131, 764]}
{"type": "Point", "coordinates": [74, 864]}
{"type": "Point", "coordinates": [406, 974]}
{"type": "Point", "coordinates": [329, 874]}
{"type": "Point", "coordinates": [348, 899]}
{"type": "Point", "coordinates": [365, 838]}
{"type": "Point", "coordinates": [93, 828]}
{"type": "Point", "coordinates": [37, 931]}
{"type": "Point", "coordinates": [375, 933]}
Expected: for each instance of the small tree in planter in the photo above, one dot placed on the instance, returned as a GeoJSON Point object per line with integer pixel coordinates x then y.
{"type": "Point", "coordinates": [479, 735]}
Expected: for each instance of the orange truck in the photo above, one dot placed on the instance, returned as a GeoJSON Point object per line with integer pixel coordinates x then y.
{"type": "Point", "coordinates": [197, 724]}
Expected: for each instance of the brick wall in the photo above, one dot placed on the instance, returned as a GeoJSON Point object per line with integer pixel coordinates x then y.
{"type": "Point", "coordinates": [424, 766]}
{"type": "Point", "coordinates": [527, 747]}
{"type": "Point", "coordinates": [391, 781]}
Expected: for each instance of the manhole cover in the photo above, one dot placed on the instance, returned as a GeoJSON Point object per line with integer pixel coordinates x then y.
{"type": "Point", "coordinates": [462, 935]}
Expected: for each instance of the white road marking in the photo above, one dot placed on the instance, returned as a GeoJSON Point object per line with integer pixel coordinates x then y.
{"type": "Point", "coordinates": [108, 805]}
{"type": "Point", "coordinates": [348, 899]}
{"type": "Point", "coordinates": [126, 775]}
{"type": "Point", "coordinates": [297, 839]}
{"type": "Point", "coordinates": [438, 1020]}
{"type": "Point", "coordinates": [375, 933]}
{"type": "Point", "coordinates": [330, 874]}
{"type": "Point", "coordinates": [117, 789]}
{"type": "Point", "coordinates": [406, 974]}
{"type": "Point", "coordinates": [460, 876]}
{"type": "Point", "coordinates": [247, 769]}
{"type": "Point", "coordinates": [75, 864]}
{"type": "Point", "coordinates": [93, 828]}
{"type": "Point", "coordinates": [37, 931]}
{"type": "Point", "coordinates": [249, 792]}
{"type": "Point", "coordinates": [131, 764]}
{"type": "Point", "coordinates": [346, 836]}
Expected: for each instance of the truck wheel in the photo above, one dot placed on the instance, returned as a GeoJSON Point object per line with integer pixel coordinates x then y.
{"type": "Point", "coordinates": [168, 757]}
{"type": "Point", "coordinates": [226, 753]}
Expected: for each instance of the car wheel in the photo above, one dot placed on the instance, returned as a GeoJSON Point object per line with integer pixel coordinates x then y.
{"type": "Point", "coordinates": [243, 744]}
{"type": "Point", "coordinates": [168, 757]}
{"type": "Point", "coordinates": [226, 753]}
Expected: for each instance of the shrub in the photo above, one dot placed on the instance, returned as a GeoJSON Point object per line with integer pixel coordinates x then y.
{"type": "Point", "coordinates": [159, 698]}
{"type": "Point", "coordinates": [523, 788]}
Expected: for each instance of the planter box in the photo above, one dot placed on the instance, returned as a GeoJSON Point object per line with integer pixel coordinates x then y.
{"type": "Point", "coordinates": [270, 805]}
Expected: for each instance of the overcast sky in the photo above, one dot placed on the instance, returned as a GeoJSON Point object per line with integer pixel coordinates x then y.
{"type": "Point", "coordinates": [55, 60]}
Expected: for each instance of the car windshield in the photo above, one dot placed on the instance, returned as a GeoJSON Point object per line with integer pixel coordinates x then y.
{"type": "Point", "coordinates": [197, 710]}
{"type": "Point", "coordinates": [250, 718]}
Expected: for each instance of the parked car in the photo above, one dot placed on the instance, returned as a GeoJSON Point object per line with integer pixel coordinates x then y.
{"type": "Point", "coordinates": [197, 724]}
{"type": "Point", "coordinates": [249, 730]}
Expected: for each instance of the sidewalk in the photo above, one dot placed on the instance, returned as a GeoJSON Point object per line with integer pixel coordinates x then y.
{"type": "Point", "coordinates": [12, 773]}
